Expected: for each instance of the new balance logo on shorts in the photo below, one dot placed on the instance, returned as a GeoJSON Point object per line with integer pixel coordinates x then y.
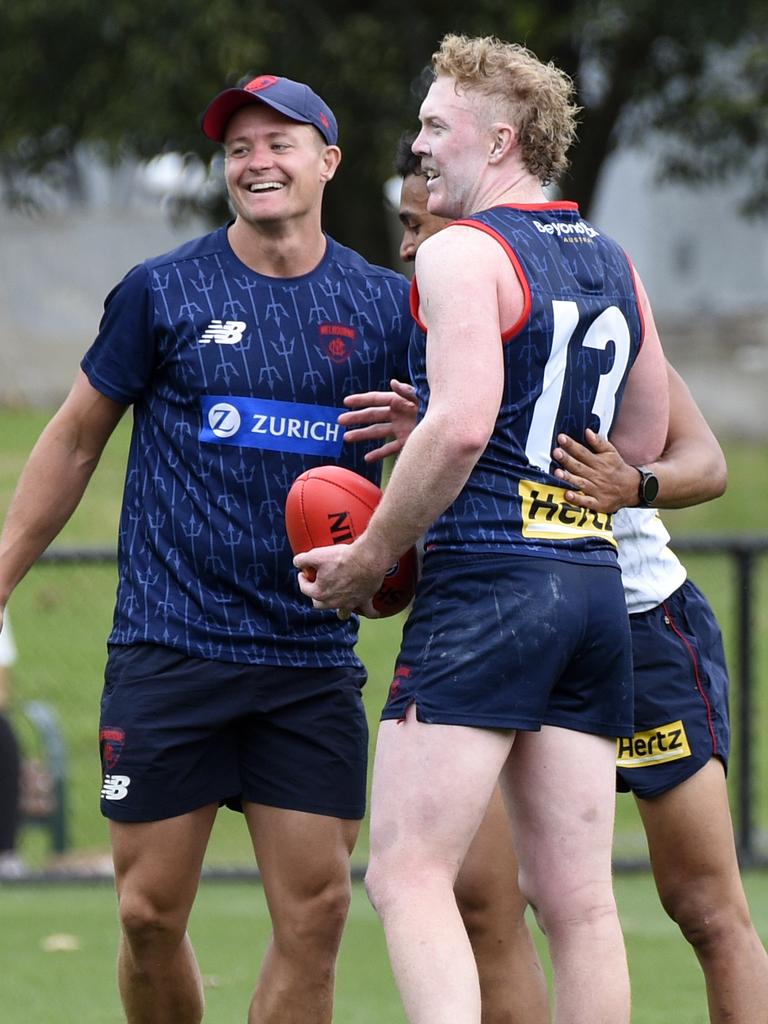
{"type": "Point", "coordinates": [115, 787]}
{"type": "Point", "coordinates": [223, 332]}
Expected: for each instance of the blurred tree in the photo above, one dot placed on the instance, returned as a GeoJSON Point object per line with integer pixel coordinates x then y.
{"type": "Point", "coordinates": [134, 75]}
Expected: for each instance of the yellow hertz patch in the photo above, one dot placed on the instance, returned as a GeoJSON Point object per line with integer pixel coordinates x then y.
{"type": "Point", "coordinates": [654, 746]}
{"type": "Point", "coordinates": [548, 516]}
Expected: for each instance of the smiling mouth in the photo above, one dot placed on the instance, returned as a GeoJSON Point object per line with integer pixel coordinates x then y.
{"type": "Point", "coordinates": [265, 186]}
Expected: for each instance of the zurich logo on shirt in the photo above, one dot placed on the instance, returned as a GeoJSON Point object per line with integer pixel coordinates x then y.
{"type": "Point", "coordinates": [275, 426]}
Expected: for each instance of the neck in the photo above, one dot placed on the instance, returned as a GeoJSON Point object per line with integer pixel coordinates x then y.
{"type": "Point", "coordinates": [522, 188]}
{"type": "Point", "coordinates": [277, 250]}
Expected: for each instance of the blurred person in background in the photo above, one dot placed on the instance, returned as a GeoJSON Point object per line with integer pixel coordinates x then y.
{"type": "Point", "coordinates": [675, 762]}
{"type": "Point", "coordinates": [11, 865]}
{"type": "Point", "coordinates": [223, 684]}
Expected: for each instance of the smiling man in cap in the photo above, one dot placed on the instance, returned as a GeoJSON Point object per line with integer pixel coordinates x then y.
{"type": "Point", "coordinates": [223, 684]}
{"type": "Point", "coordinates": [293, 99]}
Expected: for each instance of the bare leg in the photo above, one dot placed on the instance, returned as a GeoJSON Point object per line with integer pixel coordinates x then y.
{"type": "Point", "coordinates": [157, 869]}
{"type": "Point", "coordinates": [690, 838]}
{"type": "Point", "coordinates": [560, 788]}
{"type": "Point", "coordinates": [304, 864]}
{"type": "Point", "coordinates": [513, 989]}
{"type": "Point", "coordinates": [431, 786]}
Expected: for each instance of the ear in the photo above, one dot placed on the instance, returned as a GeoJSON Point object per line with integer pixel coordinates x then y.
{"type": "Point", "coordinates": [331, 159]}
{"type": "Point", "coordinates": [503, 139]}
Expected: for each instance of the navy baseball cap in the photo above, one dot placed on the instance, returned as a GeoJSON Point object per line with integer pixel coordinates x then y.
{"type": "Point", "coordinates": [293, 99]}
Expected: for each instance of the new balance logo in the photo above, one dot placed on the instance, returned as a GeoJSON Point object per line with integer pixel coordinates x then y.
{"type": "Point", "coordinates": [223, 332]}
{"type": "Point", "coordinates": [115, 787]}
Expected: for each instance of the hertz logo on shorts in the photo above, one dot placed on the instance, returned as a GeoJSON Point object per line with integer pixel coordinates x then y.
{"type": "Point", "coordinates": [654, 746]}
{"type": "Point", "coordinates": [548, 516]}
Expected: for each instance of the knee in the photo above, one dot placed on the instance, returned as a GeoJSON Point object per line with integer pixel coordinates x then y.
{"type": "Point", "coordinates": [706, 920]}
{"type": "Point", "coordinates": [475, 912]}
{"type": "Point", "coordinates": [393, 882]}
{"type": "Point", "coordinates": [327, 914]}
{"type": "Point", "coordinates": [489, 895]}
{"type": "Point", "coordinates": [488, 914]}
{"type": "Point", "coordinates": [312, 925]}
{"type": "Point", "coordinates": [386, 882]}
{"type": "Point", "coordinates": [577, 905]}
{"type": "Point", "coordinates": [376, 885]}
{"type": "Point", "coordinates": [146, 923]}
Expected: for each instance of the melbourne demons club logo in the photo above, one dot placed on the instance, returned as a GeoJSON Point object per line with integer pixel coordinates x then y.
{"type": "Point", "coordinates": [111, 741]}
{"type": "Point", "coordinates": [402, 674]}
{"type": "Point", "coordinates": [338, 341]}
{"type": "Point", "coordinates": [260, 82]}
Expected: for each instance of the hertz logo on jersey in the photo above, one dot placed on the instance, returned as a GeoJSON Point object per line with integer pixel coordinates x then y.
{"type": "Point", "coordinates": [548, 516]}
{"type": "Point", "coordinates": [654, 746]}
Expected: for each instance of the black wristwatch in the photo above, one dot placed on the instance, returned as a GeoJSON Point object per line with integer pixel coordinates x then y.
{"type": "Point", "coordinates": [648, 488]}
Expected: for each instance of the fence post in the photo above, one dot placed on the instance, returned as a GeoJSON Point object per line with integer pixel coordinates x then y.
{"type": "Point", "coordinates": [745, 587]}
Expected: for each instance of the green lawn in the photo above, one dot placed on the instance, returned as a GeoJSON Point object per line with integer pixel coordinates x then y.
{"type": "Point", "coordinates": [61, 617]}
{"type": "Point", "coordinates": [230, 929]}
{"type": "Point", "coordinates": [62, 614]}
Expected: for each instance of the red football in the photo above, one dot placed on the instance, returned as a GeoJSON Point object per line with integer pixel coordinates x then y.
{"type": "Point", "coordinates": [333, 505]}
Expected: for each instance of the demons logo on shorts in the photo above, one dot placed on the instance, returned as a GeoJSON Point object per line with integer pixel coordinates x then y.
{"type": "Point", "coordinates": [402, 672]}
{"type": "Point", "coordinates": [111, 742]}
{"type": "Point", "coordinates": [338, 341]}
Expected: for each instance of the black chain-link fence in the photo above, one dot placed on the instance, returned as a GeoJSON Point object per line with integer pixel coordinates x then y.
{"type": "Point", "coordinates": [62, 613]}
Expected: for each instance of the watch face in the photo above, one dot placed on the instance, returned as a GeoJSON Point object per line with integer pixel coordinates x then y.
{"type": "Point", "coordinates": [650, 488]}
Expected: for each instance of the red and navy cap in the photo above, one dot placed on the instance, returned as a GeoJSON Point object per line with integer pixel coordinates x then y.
{"type": "Point", "coordinates": [293, 99]}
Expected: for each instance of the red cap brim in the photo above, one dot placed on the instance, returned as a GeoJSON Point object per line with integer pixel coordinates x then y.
{"type": "Point", "coordinates": [220, 110]}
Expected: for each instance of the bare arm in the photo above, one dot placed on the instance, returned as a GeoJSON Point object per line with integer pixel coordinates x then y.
{"type": "Point", "coordinates": [458, 274]}
{"type": "Point", "coordinates": [54, 479]}
{"type": "Point", "coordinates": [640, 428]}
{"type": "Point", "coordinates": [690, 470]}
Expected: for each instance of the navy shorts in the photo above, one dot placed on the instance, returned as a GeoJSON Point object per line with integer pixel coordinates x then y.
{"type": "Point", "coordinates": [681, 695]}
{"type": "Point", "coordinates": [177, 733]}
{"type": "Point", "coordinates": [516, 642]}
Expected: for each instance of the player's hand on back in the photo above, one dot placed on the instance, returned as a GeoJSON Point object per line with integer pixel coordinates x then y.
{"type": "Point", "coordinates": [387, 416]}
{"type": "Point", "coordinates": [598, 478]}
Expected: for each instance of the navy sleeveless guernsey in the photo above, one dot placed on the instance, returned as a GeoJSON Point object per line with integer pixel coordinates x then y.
{"type": "Point", "coordinates": [565, 363]}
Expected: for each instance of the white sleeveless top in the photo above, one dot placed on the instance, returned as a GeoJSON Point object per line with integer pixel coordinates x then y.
{"type": "Point", "coordinates": [650, 571]}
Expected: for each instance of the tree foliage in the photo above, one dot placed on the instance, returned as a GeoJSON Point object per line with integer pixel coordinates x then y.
{"type": "Point", "coordinates": [134, 75]}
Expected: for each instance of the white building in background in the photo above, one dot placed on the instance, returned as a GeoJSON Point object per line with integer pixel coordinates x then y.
{"type": "Point", "coordinates": [58, 263]}
{"type": "Point", "coordinates": [704, 266]}
{"type": "Point", "coordinates": [695, 252]}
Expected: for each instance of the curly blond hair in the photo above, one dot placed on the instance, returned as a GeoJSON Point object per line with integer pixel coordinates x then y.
{"type": "Point", "coordinates": [535, 98]}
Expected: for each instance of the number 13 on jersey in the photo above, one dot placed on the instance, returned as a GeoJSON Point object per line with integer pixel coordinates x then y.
{"type": "Point", "coordinates": [609, 326]}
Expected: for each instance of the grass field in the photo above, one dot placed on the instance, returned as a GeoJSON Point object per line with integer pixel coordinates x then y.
{"type": "Point", "coordinates": [61, 616]}
{"type": "Point", "coordinates": [42, 982]}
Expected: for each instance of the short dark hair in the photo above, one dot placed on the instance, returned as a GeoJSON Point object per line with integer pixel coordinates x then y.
{"type": "Point", "coordinates": [406, 161]}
